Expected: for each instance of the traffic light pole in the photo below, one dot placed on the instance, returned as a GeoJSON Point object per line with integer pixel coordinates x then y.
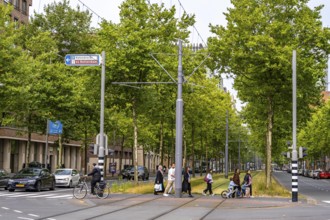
{"type": "Point", "coordinates": [101, 147]}
{"type": "Point", "coordinates": [294, 131]}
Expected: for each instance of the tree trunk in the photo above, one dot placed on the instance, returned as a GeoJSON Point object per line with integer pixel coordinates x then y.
{"type": "Point", "coordinates": [135, 148]}
{"type": "Point", "coordinates": [193, 147]}
{"type": "Point", "coordinates": [121, 153]}
{"type": "Point", "coordinates": [269, 143]}
{"type": "Point", "coordinates": [161, 150]}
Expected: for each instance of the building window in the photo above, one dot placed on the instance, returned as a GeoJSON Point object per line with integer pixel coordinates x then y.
{"type": "Point", "coordinates": [24, 7]}
{"type": "Point", "coordinates": [16, 4]}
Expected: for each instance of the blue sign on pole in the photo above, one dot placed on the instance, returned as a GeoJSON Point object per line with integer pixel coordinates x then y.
{"type": "Point", "coordinates": [55, 127]}
{"type": "Point", "coordinates": [82, 60]}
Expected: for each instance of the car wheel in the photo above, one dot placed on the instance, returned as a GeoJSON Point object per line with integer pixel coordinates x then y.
{"type": "Point", "coordinates": [52, 186]}
{"type": "Point", "coordinates": [11, 190]}
{"type": "Point", "coordinates": [38, 186]}
{"type": "Point", "coordinates": [143, 177]}
{"type": "Point", "coordinates": [6, 188]}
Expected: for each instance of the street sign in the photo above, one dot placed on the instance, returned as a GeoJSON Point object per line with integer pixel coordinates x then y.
{"type": "Point", "coordinates": [82, 60]}
{"type": "Point", "coordinates": [55, 127]}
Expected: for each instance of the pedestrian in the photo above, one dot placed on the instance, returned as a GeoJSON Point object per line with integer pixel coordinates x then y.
{"type": "Point", "coordinates": [186, 185]}
{"type": "Point", "coordinates": [237, 181]}
{"type": "Point", "coordinates": [96, 177]}
{"type": "Point", "coordinates": [248, 183]}
{"type": "Point", "coordinates": [208, 179]}
{"type": "Point", "coordinates": [159, 179]}
{"type": "Point", "coordinates": [170, 179]}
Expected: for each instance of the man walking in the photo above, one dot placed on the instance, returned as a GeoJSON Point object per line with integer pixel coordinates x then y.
{"type": "Point", "coordinates": [170, 179]}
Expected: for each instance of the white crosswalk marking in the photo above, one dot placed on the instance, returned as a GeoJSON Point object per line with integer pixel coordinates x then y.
{"type": "Point", "coordinates": [26, 195]}
{"type": "Point", "coordinates": [62, 196]}
{"type": "Point", "coordinates": [326, 201]}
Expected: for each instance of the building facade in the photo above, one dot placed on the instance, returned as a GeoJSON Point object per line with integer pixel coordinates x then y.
{"type": "Point", "coordinates": [21, 10]}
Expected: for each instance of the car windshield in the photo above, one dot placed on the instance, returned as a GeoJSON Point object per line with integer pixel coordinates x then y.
{"type": "Point", "coordinates": [29, 171]}
{"type": "Point", "coordinates": [63, 172]}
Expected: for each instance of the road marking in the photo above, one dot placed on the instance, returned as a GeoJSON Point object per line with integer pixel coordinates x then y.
{"type": "Point", "coordinates": [33, 215]}
{"type": "Point", "coordinates": [21, 195]}
{"type": "Point", "coordinates": [9, 194]}
{"type": "Point", "coordinates": [5, 208]}
{"type": "Point", "coordinates": [25, 218]}
{"type": "Point", "coordinates": [326, 201]}
{"type": "Point", "coordinates": [44, 195]}
{"type": "Point", "coordinates": [54, 197]}
{"type": "Point", "coordinates": [18, 211]}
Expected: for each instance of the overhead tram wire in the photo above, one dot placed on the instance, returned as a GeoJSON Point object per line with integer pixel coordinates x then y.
{"type": "Point", "coordinates": [93, 12]}
{"type": "Point", "coordinates": [193, 25]}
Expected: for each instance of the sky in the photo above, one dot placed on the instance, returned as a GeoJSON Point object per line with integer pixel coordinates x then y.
{"type": "Point", "coordinates": [206, 12]}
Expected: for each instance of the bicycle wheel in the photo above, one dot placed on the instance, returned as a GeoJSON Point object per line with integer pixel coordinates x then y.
{"type": "Point", "coordinates": [80, 191]}
{"type": "Point", "coordinates": [102, 193]}
{"type": "Point", "coordinates": [224, 194]}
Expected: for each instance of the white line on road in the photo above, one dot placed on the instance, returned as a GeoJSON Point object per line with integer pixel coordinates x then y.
{"type": "Point", "coordinates": [33, 215]}
{"type": "Point", "coordinates": [21, 195]}
{"type": "Point", "coordinates": [54, 197]}
{"type": "Point", "coordinates": [44, 195]}
{"type": "Point", "coordinates": [5, 208]}
{"type": "Point", "coordinates": [326, 201]}
{"type": "Point", "coordinates": [18, 211]}
{"type": "Point", "coordinates": [25, 218]}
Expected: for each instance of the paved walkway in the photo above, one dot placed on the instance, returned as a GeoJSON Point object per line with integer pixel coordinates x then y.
{"type": "Point", "coordinates": [129, 206]}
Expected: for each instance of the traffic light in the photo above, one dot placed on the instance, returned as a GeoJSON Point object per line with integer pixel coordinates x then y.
{"type": "Point", "coordinates": [302, 152]}
{"type": "Point", "coordinates": [93, 149]}
{"type": "Point", "coordinates": [286, 154]}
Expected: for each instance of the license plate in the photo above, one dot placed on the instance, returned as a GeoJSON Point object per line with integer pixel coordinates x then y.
{"type": "Point", "coordinates": [19, 185]}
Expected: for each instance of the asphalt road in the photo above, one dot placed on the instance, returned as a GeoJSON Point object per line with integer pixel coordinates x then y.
{"type": "Point", "coordinates": [317, 189]}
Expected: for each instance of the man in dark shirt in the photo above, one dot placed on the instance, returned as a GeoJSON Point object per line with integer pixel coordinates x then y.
{"type": "Point", "coordinates": [96, 173]}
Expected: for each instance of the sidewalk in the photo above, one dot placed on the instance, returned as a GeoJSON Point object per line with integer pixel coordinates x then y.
{"type": "Point", "coordinates": [129, 206]}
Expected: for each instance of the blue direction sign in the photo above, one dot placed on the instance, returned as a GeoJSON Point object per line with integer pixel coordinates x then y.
{"type": "Point", "coordinates": [55, 127]}
{"type": "Point", "coordinates": [83, 59]}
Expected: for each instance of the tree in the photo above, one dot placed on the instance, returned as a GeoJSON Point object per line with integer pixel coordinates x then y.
{"type": "Point", "coordinates": [143, 29]}
{"type": "Point", "coordinates": [256, 48]}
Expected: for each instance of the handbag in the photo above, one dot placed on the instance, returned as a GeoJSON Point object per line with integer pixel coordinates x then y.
{"type": "Point", "coordinates": [158, 187]}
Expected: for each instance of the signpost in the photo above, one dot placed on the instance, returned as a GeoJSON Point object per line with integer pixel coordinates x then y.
{"type": "Point", "coordinates": [82, 60]}
{"type": "Point", "coordinates": [93, 60]}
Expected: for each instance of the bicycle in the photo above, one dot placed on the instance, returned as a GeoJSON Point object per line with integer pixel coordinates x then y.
{"type": "Point", "coordinates": [226, 194]}
{"type": "Point", "coordinates": [102, 189]}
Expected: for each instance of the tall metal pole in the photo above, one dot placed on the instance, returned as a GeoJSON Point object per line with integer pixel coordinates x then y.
{"type": "Point", "coordinates": [294, 130]}
{"type": "Point", "coordinates": [226, 148]}
{"type": "Point", "coordinates": [179, 122]}
{"type": "Point", "coordinates": [101, 147]}
{"type": "Point", "coordinates": [46, 150]}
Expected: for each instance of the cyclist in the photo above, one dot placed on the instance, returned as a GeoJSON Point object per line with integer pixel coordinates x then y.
{"type": "Point", "coordinates": [96, 173]}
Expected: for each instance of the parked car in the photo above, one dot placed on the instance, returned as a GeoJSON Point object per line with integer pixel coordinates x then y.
{"type": "Point", "coordinates": [323, 175]}
{"type": "Point", "coordinates": [143, 173]}
{"type": "Point", "coordinates": [32, 178]}
{"type": "Point", "coordinates": [306, 173]}
{"type": "Point", "coordinates": [67, 177]}
{"type": "Point", "coordinates": [315, 173]}
{"type": "Point", "coordinates": [125, 172]}
{"type": "Point", "coordinates": [4, 176]}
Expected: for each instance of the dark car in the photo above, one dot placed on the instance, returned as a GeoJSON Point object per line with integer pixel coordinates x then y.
{"type": "Point", "coordinates": [3, 179]}
{"type": "Point", "coordinates": [32, 178]}
{"type": "Point", "coordinates": [143, 173]}
{"type": "Point", "coordinates": [125, 172]}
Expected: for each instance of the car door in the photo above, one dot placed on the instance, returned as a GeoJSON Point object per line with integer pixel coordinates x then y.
{"type": "Point", "coordinates": [45, 178]}
{"type": "Point", "coordinates": [3, 179]}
